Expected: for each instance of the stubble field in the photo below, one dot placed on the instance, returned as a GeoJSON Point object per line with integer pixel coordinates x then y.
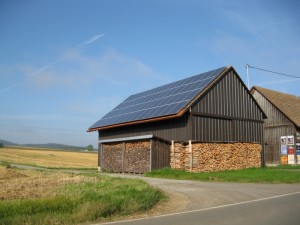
{"type": "Point", "coordinates": [39, 196]}
{"type": "Point", "coordinates": [49, 158]}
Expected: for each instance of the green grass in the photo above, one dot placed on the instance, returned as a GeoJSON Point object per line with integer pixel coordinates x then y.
{"type": "Point", "coordinates": [83, 202]}
{"type": "Point", "coordinates": [283, 167]}
{"type": "Point", "coordinates": [251, 175]}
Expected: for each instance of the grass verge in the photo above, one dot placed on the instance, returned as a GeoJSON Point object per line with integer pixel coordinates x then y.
{"type": "Point", "coordinates": [285, 167]}
{"type": "Point", "coordinates": [251, 175]}
{"type": "Point", "coordinates": [71, 199]}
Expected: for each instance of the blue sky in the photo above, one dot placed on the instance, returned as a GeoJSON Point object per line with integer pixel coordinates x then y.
{"type": "Point", "coordinates": [65, 64]}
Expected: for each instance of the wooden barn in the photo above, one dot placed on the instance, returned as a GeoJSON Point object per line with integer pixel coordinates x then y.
{"type": "Point", "coordinates": [207, 122]}
{"type": "Point", "coordinates": [283, 112]}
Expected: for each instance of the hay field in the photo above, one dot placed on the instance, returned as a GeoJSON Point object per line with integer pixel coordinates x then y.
{"type": "Point", "coordinates": [48, 158]}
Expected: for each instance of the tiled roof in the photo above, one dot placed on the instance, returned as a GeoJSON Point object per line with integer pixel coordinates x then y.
{"type": "Point", "coordinates": [288, 104]}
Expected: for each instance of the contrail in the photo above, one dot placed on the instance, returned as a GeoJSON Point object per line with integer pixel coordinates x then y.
{"type": "Point", "coordinates": [81, 48]}
{"type": "Point", "coordinates": [93, 39]}
{"type": "Point", "coordinates": [10, 87]}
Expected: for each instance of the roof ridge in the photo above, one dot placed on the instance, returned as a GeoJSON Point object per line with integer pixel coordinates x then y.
{"type": "Point", "coordinates": [279, 92]}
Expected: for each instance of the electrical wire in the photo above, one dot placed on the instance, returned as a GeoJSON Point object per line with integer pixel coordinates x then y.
{"type": "Point", "coordinates": [270, 71]}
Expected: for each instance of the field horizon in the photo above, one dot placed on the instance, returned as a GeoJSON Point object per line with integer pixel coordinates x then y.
{"type": "Point", "coordinates": [49, 158]}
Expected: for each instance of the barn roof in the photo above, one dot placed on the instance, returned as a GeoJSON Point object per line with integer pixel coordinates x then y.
{"type": "Point", "coordinates": [168, 101]}
{"type": "Point", "coordinates": [288, 104]}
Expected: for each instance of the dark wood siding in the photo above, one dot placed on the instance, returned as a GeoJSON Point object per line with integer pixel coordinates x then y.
{"type": "Point", "coordinates": [227, 112]}
{"type": "Point", "coordinates": [275, 126]}
{"type": "Point", "coordinates": [172, 129]}
{"type": "Point", "coordinates": [160, 154]}
{"type": "Point", "coordinates": [229, 97]}
{"type": "Point", "coordinates": [212, 129]}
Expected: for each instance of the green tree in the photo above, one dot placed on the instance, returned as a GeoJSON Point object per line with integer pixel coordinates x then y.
{"type": "Point", "coordinates": [90, 148]}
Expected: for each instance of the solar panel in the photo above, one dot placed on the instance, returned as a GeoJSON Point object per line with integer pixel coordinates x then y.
{"type": "Point", "coordinates": [165, 100]}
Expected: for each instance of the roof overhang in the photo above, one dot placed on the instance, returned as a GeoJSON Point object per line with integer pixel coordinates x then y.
{"type": "Point", "coordinates": [133, 138]}
{"type": "Point", "coordinates": [136, 138]}
{"type": "Point", "coordinates": [138, 122]}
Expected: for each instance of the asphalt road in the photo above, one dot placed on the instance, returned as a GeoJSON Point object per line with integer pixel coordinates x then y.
{"type": "Point", "coordinates": [219, 203]}
{"type": "Point", "coordinates": [276, 210]}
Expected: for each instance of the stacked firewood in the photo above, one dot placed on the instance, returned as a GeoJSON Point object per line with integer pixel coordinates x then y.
{"type": "Point", "coordinates": [209, 157]}
{"type": "Point", "coordinates": [179, 156]}
{"type": "Point", "coordinates": [254, 155]}
{"type": "Point", "coordinates": [137, 157]}
{"type": "Point", "coordinates": [112, 157]}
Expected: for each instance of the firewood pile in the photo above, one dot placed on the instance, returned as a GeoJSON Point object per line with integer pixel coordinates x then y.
{"type": "Point", "coordinates": [129, 157]}
{"type": "Point", "coordinates": [137, 157]}
{"type": "Point", "coordinates": [112, 157]}
{"type": "Point", "coordinates": [179, 156]}
{"type": "Point", "coordinates": [209, 157]}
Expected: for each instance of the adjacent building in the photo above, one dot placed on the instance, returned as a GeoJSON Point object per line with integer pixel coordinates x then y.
{"type": "Point", "coordinates": [283, 112]}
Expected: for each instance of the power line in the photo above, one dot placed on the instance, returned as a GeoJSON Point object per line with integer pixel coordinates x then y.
{"type": "Point", "coordinates": [270, 71]}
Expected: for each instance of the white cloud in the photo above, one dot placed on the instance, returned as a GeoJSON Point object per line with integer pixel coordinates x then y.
{"type": "Point", "coordinates": [45, 77]}
{"type": "Point", "coordinates": [96, 107]}
{"type": "Point", "coordinates": [225, 42]}
{"type": "Point", "coordinates": [39, 136]}
{"type": "Point", "coordinates": [31, 117]}
{"type": "Point", "coordinates": [76, 69]}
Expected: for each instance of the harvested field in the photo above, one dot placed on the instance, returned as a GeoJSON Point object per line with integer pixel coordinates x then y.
{"type": "Point", "coordinates": [48, 158]}
{"type": "Point", "coordinates": [53, 197]}
{"type": "Point", "coordinates": [24, 184]}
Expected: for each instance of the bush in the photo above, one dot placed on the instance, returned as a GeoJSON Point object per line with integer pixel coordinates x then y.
{"type": "Point", "coordinates": [90, 148]}
{"type": "Point", "coordinates": [5, 164]}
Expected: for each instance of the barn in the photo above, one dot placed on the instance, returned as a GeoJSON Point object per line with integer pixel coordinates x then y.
{"type": "Point", "coordinates": [283, 112]}
{"type": "Point", "coordinates": [206, 122]}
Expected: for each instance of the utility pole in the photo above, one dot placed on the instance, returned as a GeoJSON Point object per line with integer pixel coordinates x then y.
{"type": "Point", "coordinates": [247, 68]}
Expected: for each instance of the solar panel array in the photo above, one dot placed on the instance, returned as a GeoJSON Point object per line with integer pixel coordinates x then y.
{"type": "Point", "coordinates": [165, 100]}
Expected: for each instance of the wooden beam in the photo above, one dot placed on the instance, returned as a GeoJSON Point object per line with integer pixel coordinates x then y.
{"type": "Point", "coordinates": [173, 151]}
{"type": "Point", "coordinates": [279, 125]}
{"type": "Point", "coordinates": [211, 115]}
{"type": "Point", "coordinates": [151, 149]}
{"type": "Point", "coordinates": [191, 155]}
